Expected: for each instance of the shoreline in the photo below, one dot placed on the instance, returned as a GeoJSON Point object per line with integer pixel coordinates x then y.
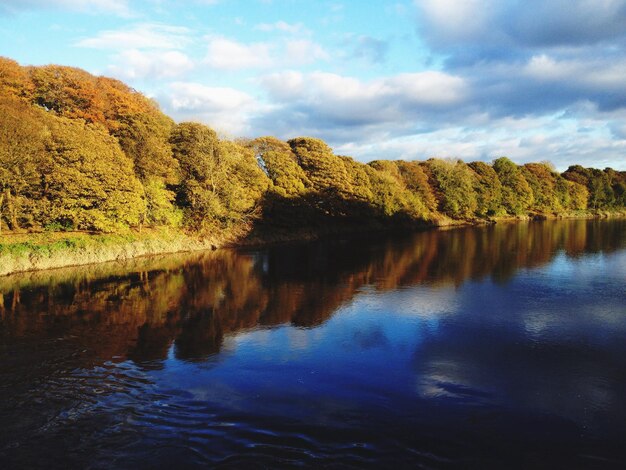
{"type": "Point", "coordinates": [46, 251]}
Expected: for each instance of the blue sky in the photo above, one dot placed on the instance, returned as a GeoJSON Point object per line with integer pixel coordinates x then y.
{"type": "Point", "coordinates": [534, 80]}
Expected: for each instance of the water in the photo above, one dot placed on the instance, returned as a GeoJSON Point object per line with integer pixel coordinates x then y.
{"type": "Point", "coordinates": [492, 347]}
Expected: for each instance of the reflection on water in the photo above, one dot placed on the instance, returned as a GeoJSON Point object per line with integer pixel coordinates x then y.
{"type": "Point", "coordinates": [472, 347]}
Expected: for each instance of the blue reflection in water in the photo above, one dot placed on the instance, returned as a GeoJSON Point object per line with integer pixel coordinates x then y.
{"type": "Point", "coordinates": [474, 348]}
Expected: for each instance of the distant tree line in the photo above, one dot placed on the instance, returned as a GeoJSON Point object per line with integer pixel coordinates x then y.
{"type": "Point", "coordinates": [80, 152]}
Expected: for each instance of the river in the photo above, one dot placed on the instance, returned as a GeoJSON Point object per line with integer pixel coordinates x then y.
{"type": "Point", "coordinates": [485, 347]}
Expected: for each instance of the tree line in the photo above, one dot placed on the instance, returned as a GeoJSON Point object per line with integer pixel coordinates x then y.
{"type": "Point", "coordinates": [81, 152]}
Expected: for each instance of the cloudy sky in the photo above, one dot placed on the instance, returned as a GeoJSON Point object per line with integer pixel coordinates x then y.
{"type": "Point", "coordinates": [534, 80]}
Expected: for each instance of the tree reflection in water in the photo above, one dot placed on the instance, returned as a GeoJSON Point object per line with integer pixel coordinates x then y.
{"type": "Point", "coordinates": [137, 310]}
{"type": "Point", "coordinates": [499, 345]}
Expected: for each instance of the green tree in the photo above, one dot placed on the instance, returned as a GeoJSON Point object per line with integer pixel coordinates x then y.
{"type": "Point", "coordinates": [391, 195]}
{"type": "Point", "coordinates": [280, 164]}
{"type": "Point", "coordinates": [578, 195]}
{"type": "Point", "coordinates": [326, 171]}
{"type": "Point", "coordinates": [548, 194]}
{"type": "Point", "coordinates": [517, 195]}
{"type": "Point", "coordinates": [88, 183]}
{"type": "Point", "coordinates": [455, 182]}
{"type": "Point", "coordinates": [221, 181]}
{"type": "Point", "coordinates": [488, 190]}
{"type": "Point", "coordinates": [598, 185]}
{"type": "Point", "coordinates": [360, 184]}
{"type": "Point", "coordinates": [416, 181]}
{"type": "Point", "coordinates": [21, 152]}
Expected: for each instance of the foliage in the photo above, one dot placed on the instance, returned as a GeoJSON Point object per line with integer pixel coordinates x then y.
{"type": "Point", "coordinates": [598, 184]}
{"type": "Point", "coordinates": [221, 181]}
{"type": "Point", "coordinates": [455, 183]}
{"type": "Point", "coordinates": [14, 81]}
{"type": "Point", "coordinates": [548, 195]}
{"type": "Point", "coordinates": [21, 154]}
{"type": "Point", "coordinates": [160, 205]}
{"type": "Point", "coordinates": [87, 181]}
{"type": "Point", "coordinates": [276, 158]}
{"type": "Point", "coordinates": [327, 172]}
{"type": "Point", "coordinates": [90, 153]}
{"type": "Point", "coordinates": [517, 195]}
{"type": "Point", "coordinates": [416, 181]}
{"type": "Point", "coordinates": [488, 190]}
{"type": "Point", "coordinates": [392, 194]}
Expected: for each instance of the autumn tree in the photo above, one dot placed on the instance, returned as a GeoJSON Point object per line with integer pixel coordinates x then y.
{"type": "Point", "coordinates": [597, 183]}
{"type": "Point", "coordinates": [69, 92]}
{"type": "Point", "coordinates": [21, 152]}
{"type": "Point", "coordinates": [279, 162]}
{"type": "Point", "coordinates": [517, 195]}
{"type": "Point", "coordinates": [416, 181]}
{"type": "Point", "coordinates": [391, 195]}
{"type": "Point", "coordinates": [488, 190]}
{"type": "Point", "coordinates": [360, 183]}
{"type": "Point", "coordinates": [14, 81]}
{"type": "Point", "coordinates": [326, 171]}
{"type": "Point", "coordinates": [221, 181]}
{"type": "Point", "coordinates": [455, 182]}
{"type": "Point", "coordinates": [87, 182]}
{"type": "Point", "coordinates": [543, 180]}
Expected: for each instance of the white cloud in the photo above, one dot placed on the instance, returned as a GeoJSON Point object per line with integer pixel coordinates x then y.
{"type": "Point", "coordinates": [599, 73]}
{"type": "Point", "coordinates": [380, 100]}
{"type": "Point", "coordinates": [140, 36]}
{"type": "Point", "coordinates": [284, 27]}
{"type": "Point", "coordinates": [429, 88]}
{"type": "Point", "coordinates": [227, 54]}
{"type": "Point", "coordinates": [303, 51]}
{"type": "Point", "coordinates": [194, 97]}
{"type": "Point", "coordinates": [113, 7]}
{"type": "Point", "coordinates": [451, 21]}
{"type": "Point", "coordinates": [561, 141]}
{"type": "Point", "coordinates": [135, 64]}
{"type": "Point", "coordinates": [226, 110]}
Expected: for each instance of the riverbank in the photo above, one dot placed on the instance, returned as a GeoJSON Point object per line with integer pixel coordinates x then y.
{"type": "Point", "coordinates": [38, 251]}
{"type": "Point", "coordinates": [23, 252]}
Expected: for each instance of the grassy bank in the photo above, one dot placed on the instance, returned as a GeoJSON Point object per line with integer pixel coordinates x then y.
{"type": "Point", "coordinates": [21, 252]}
{"type": "Point", "coordinates": [36, 251]}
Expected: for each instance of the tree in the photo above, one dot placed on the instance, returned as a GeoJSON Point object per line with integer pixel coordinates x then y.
{"type": "Point", "coordinates": [548, 194]}
{"type": "Point", "coordinates": [517, 195]}
{"type": "Point", "coordinates": [416, 181]}
{"type": "Point", "coordinates": [88, 183]}
{"type": "Point", "coordinates": [488, 190]}
{"type": "Point", "coordinates": [276, 158]}
{"type": "Point", "coordinates": [391, 195]}
{"type": "Point", "coordinates": [455, 182]}
{"type": "Point", "coordinates": [326, 171]}
{"type": "Point", "coordinates": [21, 152]}
{"type": "Point", "coordinates": [14, 81]}
{"type": "Point", "coordinates": [221, 181]}
{"type": "Point", "coordinates": [598, 185]}
{"type": "Point", "coordinates": [617, 180]}
{"type": "Point", "coordinates": [69, 92]}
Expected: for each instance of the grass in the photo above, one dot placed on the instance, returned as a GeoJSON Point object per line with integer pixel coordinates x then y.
{"type": "Point", "coordinates": [47, 243]}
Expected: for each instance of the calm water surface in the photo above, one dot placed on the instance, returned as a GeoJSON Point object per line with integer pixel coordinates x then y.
{"type": "Point", "coordinates": [493, 347]}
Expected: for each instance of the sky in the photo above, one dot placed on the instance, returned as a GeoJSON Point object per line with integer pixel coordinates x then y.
{"type": "Point", "coordinates": [534, 80]}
